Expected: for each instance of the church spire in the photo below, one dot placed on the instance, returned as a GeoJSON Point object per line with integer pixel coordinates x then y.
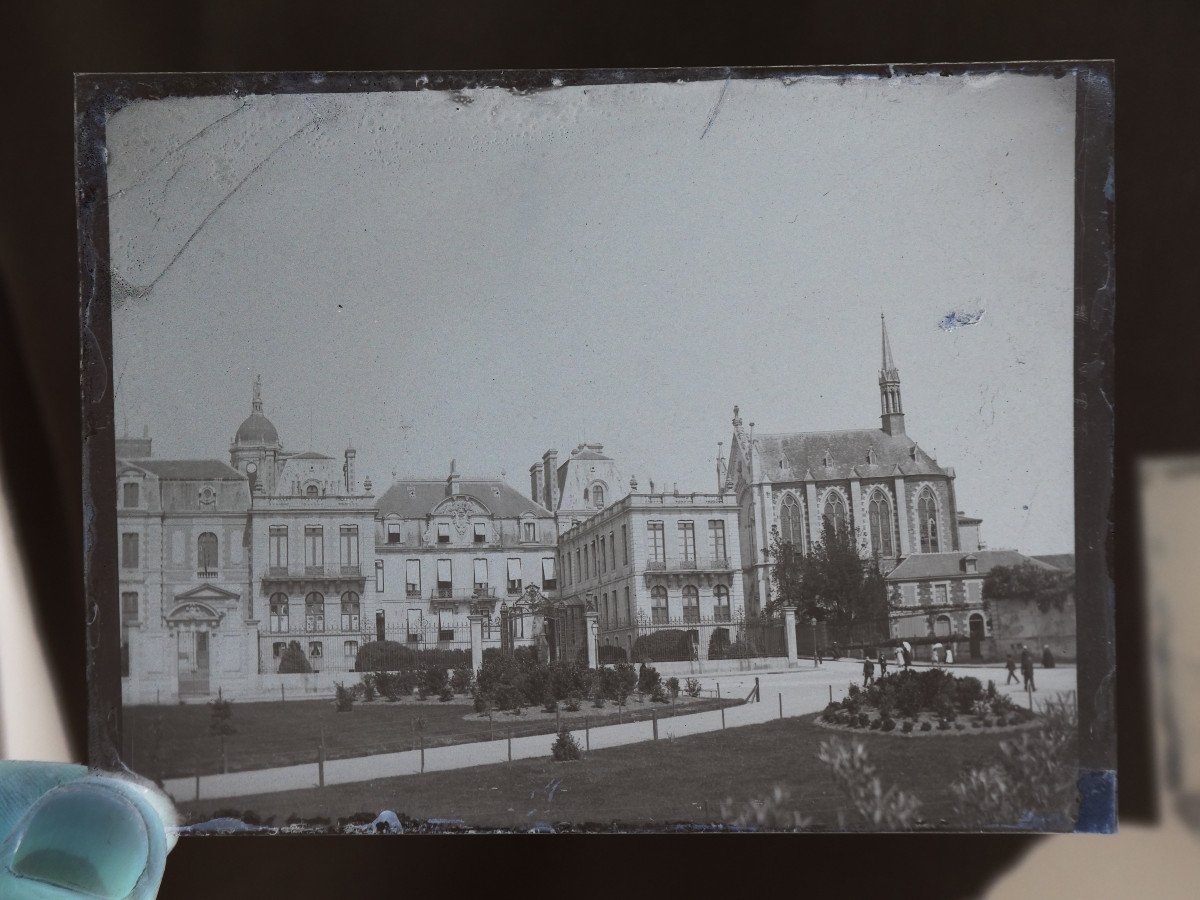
{"type": "Point", "coordinates": [892, 410]}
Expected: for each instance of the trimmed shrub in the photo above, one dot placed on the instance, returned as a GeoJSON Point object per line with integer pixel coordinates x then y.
{"type": "Point", "coordinates": [292, 660]}
{"type": "Point", "coordinates": [447, 694]}
{"type": "Point", "coordinates": [481, 701]}
{"type": "Point", "coordinates": [888, 724]}
{"type": "Point", "coordinates": [692, 687]}
{"type": "Point", "coordinates": [672, 684]}
{"type": "Point", "coordinates": [907, 727]}
{"type": "Point", "coordinates": [573, 703]}
{"type": "Point", "coordinates": [925, 726]}
{"type": "Point", "coordinates": [508, 697]}
{"type": "Point", "coordinates": [549, 703]}
{"type": "Point", "coordinates": [659, 694]}
{"type": "Point", "coordinates": [435, 680]}
{"type": "Point", "coordinates": [967, 692]}
{"type": "Point", "coordinates": [875, 723]}
{"type": "Point", "coordinates": [376, 656]}
{"type": "Point", "coordinates": [598, 701]}
{"type": "Point", "coordinates": [343, 698]}
{"type": "Point", "coordinates": [461, 680]}
{"type": "Point", "coordinates": [368, 688]}
{"type": "Point", "coordinates": [612, 654]}
{"type": "Point", "coordinates": [648, 678]}
{"type": "Point", "coordinates": [668, 644]}
{"type": "Point", "coordinates": [565, 747]}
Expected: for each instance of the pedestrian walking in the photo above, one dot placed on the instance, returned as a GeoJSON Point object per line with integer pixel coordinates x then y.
{"type": "Point", "coordinates": [836, 650]}
{"type": "Point", "coordinates": [949, 656]}
{"type": "Point", "coordinates": [900, 664]}
{"type": "Point", "coordinates": [868, 671]}
{"type": "Point", "coordinates": [906, 648]}
{"type": "Point", "coordinates": [1027, 669]}
{"type": "Point", "coordinates": [1011, 665]}
{"type": "Point", "coordinates": [1047, 658]}
{"type": "Point", "coordinates": [882, 664]}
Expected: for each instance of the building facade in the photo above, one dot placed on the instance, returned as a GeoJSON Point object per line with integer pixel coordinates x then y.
{"type": "Point", "coordinates": [585, 483]}
{"type": "Point", "coordinates": [656, 561]}
{"type": "Point", "coordinates": [878, 484]}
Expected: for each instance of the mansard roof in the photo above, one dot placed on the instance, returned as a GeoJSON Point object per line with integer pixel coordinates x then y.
{"type": "Point", "coordinates": [1064, 561]}
{"type": "Point", "coordinates": [415, 498]}
{"type": "Point", "coordinates": [804, 452]}
{"type": "Point", "coordinates": [921, 566]}
{"type": "Point", "coordinates": [189, 469]}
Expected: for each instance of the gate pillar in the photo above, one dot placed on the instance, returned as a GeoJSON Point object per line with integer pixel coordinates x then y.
{"type": "Point", "coordinates": [789, 634]}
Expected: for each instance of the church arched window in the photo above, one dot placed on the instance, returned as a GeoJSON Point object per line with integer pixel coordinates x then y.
{"type": "Point", "coordinates": [879, 514]}
{"type": "Point", "coordinates": [927, 520]}
{"type": "Point", "coordinates": [835, 512]}
{"type": "Point", "coordinates": [314, 612]}
{"type": "Point", "coordinates": [791, 522]}
{"type": "Point", "coordinates": [206, 552]}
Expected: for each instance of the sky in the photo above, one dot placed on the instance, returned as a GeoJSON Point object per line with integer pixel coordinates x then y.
{"type": "Point", "coordinates": [486, 275]}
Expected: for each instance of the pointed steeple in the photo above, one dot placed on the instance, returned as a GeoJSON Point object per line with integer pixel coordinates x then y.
{"type": "Point", "coordinates": [892, 410]}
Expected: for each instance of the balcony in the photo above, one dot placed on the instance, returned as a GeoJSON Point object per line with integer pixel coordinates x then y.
{"type": "Point", "coordinates": [678, 568]}
{"type": "Point", "coordinates": [324, 578]}
{"type": "Point", "coordinates": [207, 574]}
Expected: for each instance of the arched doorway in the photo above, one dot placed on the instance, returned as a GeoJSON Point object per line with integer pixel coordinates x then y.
{"type": "Point", "coordinates": [976, 626]}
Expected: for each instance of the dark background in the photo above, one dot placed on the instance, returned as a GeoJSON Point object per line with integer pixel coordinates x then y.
{"type": "Point", "coordinates": [1158, 125]}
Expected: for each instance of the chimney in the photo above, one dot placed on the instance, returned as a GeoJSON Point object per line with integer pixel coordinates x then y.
{"type": "Point", "coordinates": [550, 479]}
{"type": "Point", "coordinates": [134, 448]}
{"type": "Point", "coordinates": [452, 486]}
{"type": "Point", "coordinates": [535, 482]}
{"type": "Point", "coordinates": [675, 488]}
{"type": "Point", "coordinates": [348, 470]}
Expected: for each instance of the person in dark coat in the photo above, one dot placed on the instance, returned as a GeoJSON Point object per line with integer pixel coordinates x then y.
{"type": "Point", "coordinates": [1027, 669]}
{"type": "Point", "coordinates": [907, 657]}
{"type": "Point", "coordinates": [868, 671]}
{"type": "Point", "coordinates": [1011, 665]}
{"type": "Point", "coordinates": [1047, 658]}
{"type": "Point", "coordinates": [882, 664]}
{"type": "Point", "coordinates": [836, 650]}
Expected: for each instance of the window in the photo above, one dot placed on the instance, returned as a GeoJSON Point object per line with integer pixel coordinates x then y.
{"type": "Point", "coordinates": [206, 552]}
{"type": "Point", "coordinates": [445, 582]}
{"type": "Point", "coordinates": [721, 603]}
{"type": "Point", "coordinates": [350, 611]}
{"type": "Point", "coordinates": [314, 612]}
{"type": "Point", "coordinates": [129, 491]}
{"type": "Point", "coordinates": [791, 521]}
{"type": "Point", "coordinates": [412, 627]}
{"type": "Point", "coordinates": [481, 575]}
{"type": "Point", "coordinates": [941, 626]}
{"type": "Point", "coordinates": [628, 607]}
{"type": "Point", "coordinates": [716, 541]}
{"type": "Point", "coordinates": [624, 545]}
{"type": "Point", "coordinates": [445, 626]}
{"type": "Point", "coordinates": [393, 532]}
{"type": "Point", "coordinates": [578, 567]}
{"type": "Point", "coordinates": [412, 578]}
{"type": "Point", "coordinates": [927, 521]}
{"type": "Point", "coordinates": [350, 649]}
{"type": "Point", "coordinates": [687, 540]}
{"type": "Point", "coordinates": [549, 574]}
{"type": "Point", "coordinates": [129, 607]}
{"type": "Point", "coordinates": [129, 551]}
{"type": "Point", "coordinates": [595, 559]}
{"type": "Point", "coordinates": [604, 609]}
{"type": "Point", "coordinates": [279, 614]}
{"type": "Point", "coordinates": [379, 575]}
{"type": "Point", "coordinates": [570, 569]}
{"type": "Point", "coordinates": [587, 566]}
{"type": "Point", "coordinates": [940, 593]}
{"type": "Point", "coordinates": [603, 555]}
{"type": "Point", "coordinates": [279, 547]}
{"type": "Point", "coordinates": [691, 603]}
{"type": "Point", "coordinates": [443, 533]}
{"type": "Point", "coordinates": [514, 576]}
{"type": "Point", "coordinates": [311, 491]}
{"type": "Point", "coordinates": [314, 546]}
{"type": "Point", "coordinates": [835, 513]}
{"type": "Point", "coordinates": [879, 514]}
{"type": "Point", "coordinates": [316, 650]}
{"type": "Point", "coordinates": [480, 533]}
{"type": "Point", "coordinates": [658, 604]}
{"type": "Point", "coordinates": [974, 591]}
{"type": "Point", "coordinates": [349, 542]}
{"type": "Point", "coordinates": [658, 542]}
{"type": "Point", "coordinates": [530, 531]}
{"type": "Point", "coordinates": [598, 496]}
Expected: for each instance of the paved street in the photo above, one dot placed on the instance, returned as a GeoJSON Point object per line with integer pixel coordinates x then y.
{"type": "Point", "coordinates": [797, 692]}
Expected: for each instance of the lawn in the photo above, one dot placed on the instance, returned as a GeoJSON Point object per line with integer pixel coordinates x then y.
{"type": "Point", "coordinates": [653, 783]}
{"type": "Point", "coordinates": [279, 733]}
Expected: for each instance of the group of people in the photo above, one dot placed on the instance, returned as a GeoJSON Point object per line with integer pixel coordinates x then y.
{"type": "Point", "coordinates": [904, 660]}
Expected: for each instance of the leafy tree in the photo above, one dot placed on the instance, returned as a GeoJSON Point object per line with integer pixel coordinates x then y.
{"type": "Point", "coordinates": [292, 660]}
{"type": "Point", "coordinates": [1029, 582]}
{"type": "Point", "coordinates": [832, 582]}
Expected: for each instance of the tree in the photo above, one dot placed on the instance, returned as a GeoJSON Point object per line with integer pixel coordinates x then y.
{"type": "Point", "coordinates": [833, 582]}
{"type": "Point", "coordinates": [292, 660]}
{"type": "Point", "coordinates": [1029, 582]}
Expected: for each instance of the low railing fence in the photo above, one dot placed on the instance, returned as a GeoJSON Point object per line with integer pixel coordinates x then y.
{"type": "Point", "coordinates": [693, 638]}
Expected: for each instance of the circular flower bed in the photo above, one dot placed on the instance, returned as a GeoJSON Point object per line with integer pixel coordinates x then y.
{"type": "Point", "coordinates": [926, 703]}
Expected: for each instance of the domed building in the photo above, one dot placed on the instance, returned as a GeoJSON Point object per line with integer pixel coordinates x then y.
{"type": "Point", "coordinates": [256, 450]}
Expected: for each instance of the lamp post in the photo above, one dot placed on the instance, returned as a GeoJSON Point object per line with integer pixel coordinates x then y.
{"type": "Point", "coordinates": [815, 651]}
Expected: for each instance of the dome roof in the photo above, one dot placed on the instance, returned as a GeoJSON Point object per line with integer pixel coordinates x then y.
{"type": "Point", "coordinates": [257, 430]}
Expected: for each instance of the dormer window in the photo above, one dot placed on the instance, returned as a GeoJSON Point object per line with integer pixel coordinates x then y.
{"type": "Point", "coordinates": [443, 533]}
{"type": "Point", "coordinates": [598, 496]}
{"type": "Point", "coordinates": [480, 533]}
{"type": "Point", "coordinates": [870, 457]}
{"type": "Point", "coordinates": [530, 531]}
{"type": "Point", "coordinates": [393, 532]}
{"type": "Point", "coordinates": [912, 452]}
{"type": "Point", "coordinates": [129, 494]}
{"type": "Point", "coordinates": [827, 460]}
{"type": "Point", "coordinates": [311, 491]}
{"type": "Point", "coordinates": [970, 565]}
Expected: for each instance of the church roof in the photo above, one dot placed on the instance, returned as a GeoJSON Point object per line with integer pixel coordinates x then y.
{"type": "Point", "coordinates": [189, 469]}
{"type": "Point", "coordinates": [309, 454]}
{"type": "Point", "coordinates": [1064, 561]}
{"type": "Point", "coordinates": [922, 566]}
{"type": "Point", "coordinates": [414, 498]}
{"type": "Point", "coordinates": [256, 430]}
{"type": "Point", "coordinates": [805, 452]}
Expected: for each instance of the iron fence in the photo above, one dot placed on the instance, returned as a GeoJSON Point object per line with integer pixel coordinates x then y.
{"type": "Point", "coordinates": [694, 638]}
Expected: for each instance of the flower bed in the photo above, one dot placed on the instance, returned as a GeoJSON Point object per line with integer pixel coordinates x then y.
{"type": "Point", "coordinates": [926, 703]}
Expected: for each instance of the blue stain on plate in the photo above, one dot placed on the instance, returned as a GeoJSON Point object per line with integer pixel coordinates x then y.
{"type": "Point", "coordinates": [1097, 802]}
{"type": "Point", "coordinates": [953, 319]}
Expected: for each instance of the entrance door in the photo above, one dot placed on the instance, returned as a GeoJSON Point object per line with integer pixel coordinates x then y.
{"type": "Point", "coordinates": [976, 623]}
{"type": "Point", "coordinates": [193, 663]}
